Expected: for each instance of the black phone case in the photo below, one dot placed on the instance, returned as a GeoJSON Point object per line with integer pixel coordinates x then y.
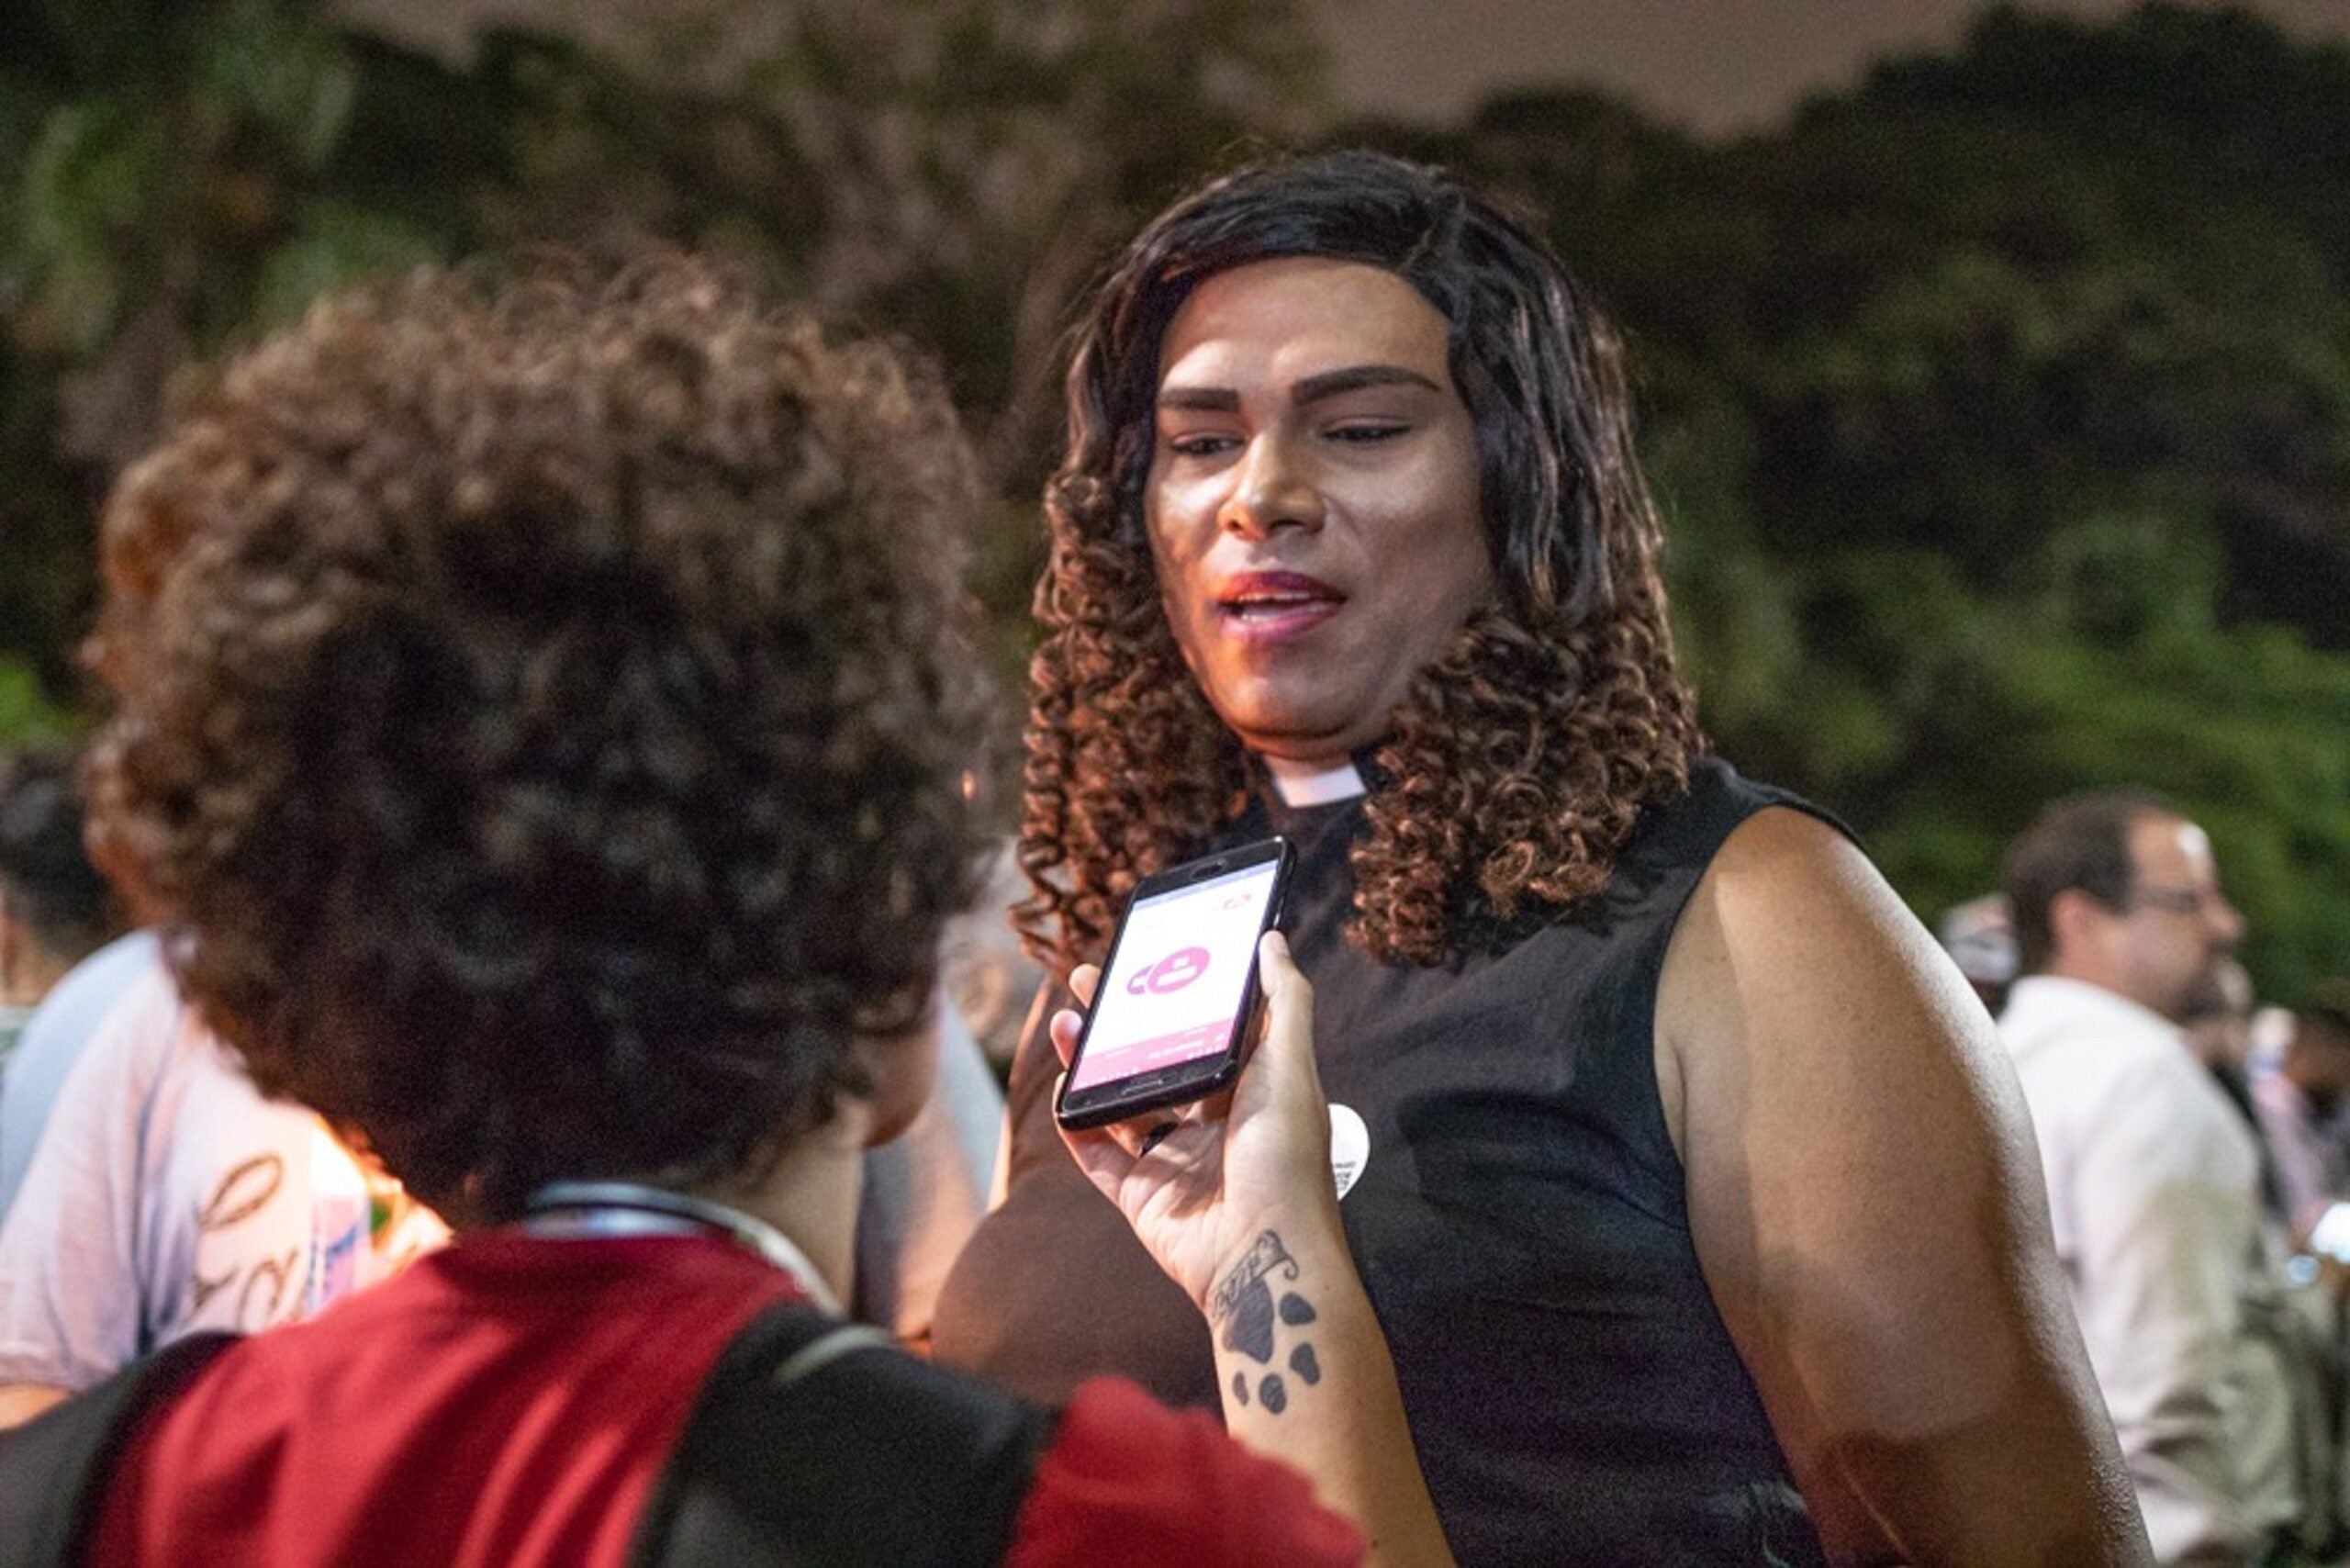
{"type": "Point", "coordinates": [1205, 1076]}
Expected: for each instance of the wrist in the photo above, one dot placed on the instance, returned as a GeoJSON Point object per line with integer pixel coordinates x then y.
{"type": "Point", "coordinates": [1276, 1312]}
{"type": "Point", "coordinates": [1273, 1261]}
{"type": "Point", "coordinates": [1307, 1234]}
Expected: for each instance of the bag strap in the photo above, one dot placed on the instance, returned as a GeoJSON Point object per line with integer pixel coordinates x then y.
{"type": "Point", "coordinates": [821, 1444]}
{"type": "Point", "coordinates": [54, 1468]}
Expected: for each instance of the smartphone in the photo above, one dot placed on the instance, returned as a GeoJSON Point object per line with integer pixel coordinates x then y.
{"type": "Point", "coordinates": [1170, 1019]}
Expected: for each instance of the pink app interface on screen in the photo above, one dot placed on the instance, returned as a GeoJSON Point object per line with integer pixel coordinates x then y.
{"type": "Point", "coordinates": [1182, 967]}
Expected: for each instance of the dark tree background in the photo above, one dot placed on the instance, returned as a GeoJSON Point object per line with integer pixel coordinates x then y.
{"type": "Point", "coordinates": [2001, 404]}
{"type": "Point", "coordinates": [2003, 409]}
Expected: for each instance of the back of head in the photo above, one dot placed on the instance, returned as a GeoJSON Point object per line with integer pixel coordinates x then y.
{"type": "Point", "coordinates": [542, 713]}
{"type": "Point", "coordinates": [48, 885]}
{"type": "Point", "coordinates": [2080, 843]}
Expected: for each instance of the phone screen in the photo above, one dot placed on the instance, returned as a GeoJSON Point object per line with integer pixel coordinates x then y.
{"type": "Point", "coordinates": [1179, 978]}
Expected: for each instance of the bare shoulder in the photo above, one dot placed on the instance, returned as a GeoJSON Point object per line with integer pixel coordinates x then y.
{"type": "Point", "coordinates": [1786, 877]}
{"type": "Point", "coordinates": [1863, 1199]}
{"type": "Point", "coordinates": [1795, 956]}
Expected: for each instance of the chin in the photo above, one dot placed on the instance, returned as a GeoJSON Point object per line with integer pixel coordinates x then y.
{"type": "Point", "coordinates": [1299, 731]}
{"type": "Point", "coordinates": [1290, 745]}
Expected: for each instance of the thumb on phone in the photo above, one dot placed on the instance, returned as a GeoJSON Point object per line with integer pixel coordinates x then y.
{"type": "Point", "coordinates": [1283, 1067]}
{"type": "Point", "coordinates": [1084, 981]}
{"type": "Point", "coordinates": [1289, 1009]}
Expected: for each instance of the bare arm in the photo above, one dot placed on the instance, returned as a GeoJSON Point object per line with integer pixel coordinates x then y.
{"type": "Point", "coordinates": [1867, 1208]}
{"type": "Point", "coordinates": [20, 1402]}
{"type": "Point", "coordinates": [1238, 1206]}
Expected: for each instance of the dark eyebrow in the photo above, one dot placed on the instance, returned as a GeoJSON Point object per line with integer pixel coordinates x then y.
{"type": "Point", "coordinates": [1313, 389]}
{"type": "Point", "coordinates": [1205, 399]}
{"type": "Point", "coordinates": [1332, 382]}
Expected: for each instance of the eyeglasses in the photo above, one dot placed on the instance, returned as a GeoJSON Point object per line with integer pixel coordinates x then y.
{"type": "Point", "coordinates": [2178, 901]}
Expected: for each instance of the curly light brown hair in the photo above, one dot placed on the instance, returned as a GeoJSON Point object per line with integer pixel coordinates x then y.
{"type": "Point", "coordinates": [1521, 758]}
{"type": "Point", "coordinates": [545, 717]}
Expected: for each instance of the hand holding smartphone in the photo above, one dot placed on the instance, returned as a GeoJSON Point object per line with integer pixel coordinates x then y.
{"type": "Point", "coordinates": [1170, 1020]}
{"type": "Point", "coordinates": [1234, 1201]}
{"type": "Point", "coordinates": [1199, 1184]}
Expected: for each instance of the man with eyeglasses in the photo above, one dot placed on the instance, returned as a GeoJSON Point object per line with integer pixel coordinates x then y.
{"type": "Point", "coordinates": [2152, 1176]}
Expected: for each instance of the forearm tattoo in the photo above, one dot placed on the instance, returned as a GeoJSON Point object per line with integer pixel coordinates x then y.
{"type": "Point", "coordinates": [1253, 1321]}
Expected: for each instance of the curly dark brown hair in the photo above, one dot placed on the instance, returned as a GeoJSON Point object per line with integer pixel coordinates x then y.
{"type": "Point", "coordinates": [1521, 758]}
{"type": "Point", "coordinates": [545, 715]}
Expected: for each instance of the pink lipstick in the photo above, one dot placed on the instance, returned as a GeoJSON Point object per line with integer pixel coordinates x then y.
{"type": "Point", "coordinates": [1272, 607]}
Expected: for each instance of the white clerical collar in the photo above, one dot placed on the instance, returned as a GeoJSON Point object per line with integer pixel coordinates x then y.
{"type": "Point", "coordinates": [1305, 784]}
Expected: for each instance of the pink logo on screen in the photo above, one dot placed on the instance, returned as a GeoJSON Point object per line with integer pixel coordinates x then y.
{"type": "Point", "coordinates": [1172, 972]}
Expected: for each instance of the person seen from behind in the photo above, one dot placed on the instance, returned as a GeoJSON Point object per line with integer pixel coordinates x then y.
{"type": "Point", "coordinates": [540, 720]}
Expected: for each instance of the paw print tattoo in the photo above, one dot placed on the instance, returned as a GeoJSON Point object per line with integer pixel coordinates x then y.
{"type": "Point", "coordinates": [1253, 1317]}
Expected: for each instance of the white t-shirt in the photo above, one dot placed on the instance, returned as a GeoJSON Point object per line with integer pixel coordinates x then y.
{"type": "Point", "coordinates": [54, 1039]}
{"type": "Point", "coordinates": [166, 1197]}
{"type": "Point", "coordinates": [2153, 1196]}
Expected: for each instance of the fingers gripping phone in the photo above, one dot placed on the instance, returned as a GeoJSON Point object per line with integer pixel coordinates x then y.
{"type": "Point", "coordinates": [1170, 1019]}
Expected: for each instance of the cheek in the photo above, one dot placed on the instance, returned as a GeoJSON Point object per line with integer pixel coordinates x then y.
{"type": "Point", "coordinates": [1173, 562]}
{"type": "Point", "coordinates": [1170, 520]}
{"type": "Point", "coordinates": [1450, 567]}
{"type": "Point", "coordinates": [1174, 608]}
{"type": "Point", "coordinates": [1474, 581]}
{"type": "Point", "coordinates": [1451, 555]}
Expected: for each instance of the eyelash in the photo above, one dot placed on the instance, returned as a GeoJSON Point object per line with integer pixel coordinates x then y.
{"type": "Point", "coordinates": [1209, 445]}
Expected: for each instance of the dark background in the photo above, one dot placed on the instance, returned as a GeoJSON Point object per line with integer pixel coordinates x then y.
{"type": "Point", "coordinates": [1998, 389]}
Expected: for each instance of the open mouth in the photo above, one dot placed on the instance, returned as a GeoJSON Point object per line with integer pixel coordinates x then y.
{"type": "Point", "coordinates": [1275, 602]}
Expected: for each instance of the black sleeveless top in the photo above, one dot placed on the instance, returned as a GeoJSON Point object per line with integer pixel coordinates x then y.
{"type": "Point", "coordinates": [1519, 1222]}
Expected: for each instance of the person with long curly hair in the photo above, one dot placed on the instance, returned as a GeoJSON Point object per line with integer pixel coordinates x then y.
{"type": "Point", "coordinates": [1691, 1191]}
{"type": "Point", "coordinates": [542, 721]}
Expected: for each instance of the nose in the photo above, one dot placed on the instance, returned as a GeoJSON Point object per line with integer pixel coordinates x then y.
{"type": "Point", "coordinates": [2226, 923]}
{"type": "Point", "coordinates": [1271, 490]}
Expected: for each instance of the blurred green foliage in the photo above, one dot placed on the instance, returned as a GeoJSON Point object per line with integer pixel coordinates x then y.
{"type": "Point", "coordinates": [2001, 404]}
{"type": "Point", "coordinates": [178, 176]}
{"type": "Point", "coordinates": [2001, 408]}
{"type": "Point", "coordinates": [27, 714]}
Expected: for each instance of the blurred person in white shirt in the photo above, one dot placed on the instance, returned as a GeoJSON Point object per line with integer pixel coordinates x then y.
{"type": "Point", "coordinates": [2153, 1175]}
